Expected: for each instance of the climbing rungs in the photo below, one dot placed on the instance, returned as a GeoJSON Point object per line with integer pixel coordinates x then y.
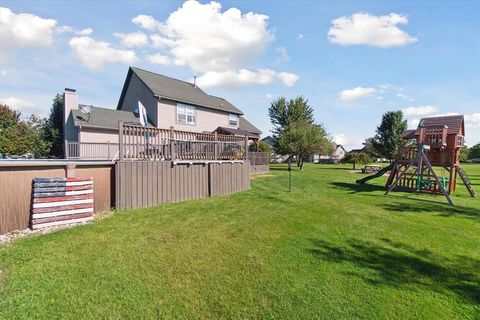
{"type": "Point", "coordinates": [466, 181]}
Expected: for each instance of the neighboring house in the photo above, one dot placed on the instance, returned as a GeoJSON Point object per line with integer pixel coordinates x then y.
{"type": "Point", "coordinates": [169, 103]}
{"type": "Point", "coordinates": [337, 155]}
{"type": "Point", "coordinates": [269, 140]}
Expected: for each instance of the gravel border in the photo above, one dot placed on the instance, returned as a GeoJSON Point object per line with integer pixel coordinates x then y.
{"type": "Point", "coordinates": [18, 234]}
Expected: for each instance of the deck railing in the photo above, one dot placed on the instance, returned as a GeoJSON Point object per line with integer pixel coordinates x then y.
{"type": "Point", "coordinates": [91, 150]}
{"type": "Point", "coordinates": [435, 136]}
{"type": "Point", "coordinates": [140, 143]}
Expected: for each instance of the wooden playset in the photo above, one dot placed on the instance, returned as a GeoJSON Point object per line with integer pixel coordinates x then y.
{"type": "Point", "coordinates": [436, 143]}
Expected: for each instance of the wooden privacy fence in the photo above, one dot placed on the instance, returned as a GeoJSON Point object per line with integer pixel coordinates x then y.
{"type": "Point", "coordinates": [259, 158]}
{"type": "Point", "coordinates": [140, 143]}
{"type": "Point", "coordinates": [141, 184]}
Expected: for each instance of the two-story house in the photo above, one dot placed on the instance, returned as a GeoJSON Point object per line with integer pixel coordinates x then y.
{"type": "Point", "coordinates": [337, 155]}
{"type": "Point", "coordinates": [168, 102]}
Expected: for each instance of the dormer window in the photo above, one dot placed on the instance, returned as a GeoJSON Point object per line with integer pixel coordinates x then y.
{"type": "Point", "coordinates": [186, 114]}
{"type": "Point", "coordinates": [233, 120]}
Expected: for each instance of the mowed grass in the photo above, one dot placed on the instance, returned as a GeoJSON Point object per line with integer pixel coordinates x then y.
{"type": "Point", "coordinates": [330, 249]}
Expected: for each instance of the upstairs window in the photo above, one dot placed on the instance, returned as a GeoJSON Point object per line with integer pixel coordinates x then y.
{"type": "Point", "coordinates": [186, 114]}
{"type": "Point", "coordinates": [233, 120]}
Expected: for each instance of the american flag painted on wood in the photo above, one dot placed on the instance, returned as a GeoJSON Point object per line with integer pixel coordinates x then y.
{"type": "Point", "coordinates": [58, 201]}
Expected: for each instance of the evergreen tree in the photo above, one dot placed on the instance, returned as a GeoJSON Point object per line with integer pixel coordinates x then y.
{"type": "Point", "coordinates": [53, 128]}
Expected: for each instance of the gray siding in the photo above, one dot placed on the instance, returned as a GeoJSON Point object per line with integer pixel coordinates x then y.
{"type": "Point", "coordinates": [138, 91]}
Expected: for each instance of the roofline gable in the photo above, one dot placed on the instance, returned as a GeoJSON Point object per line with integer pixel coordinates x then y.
{"type": "Point", "coordinates": [127, 83]}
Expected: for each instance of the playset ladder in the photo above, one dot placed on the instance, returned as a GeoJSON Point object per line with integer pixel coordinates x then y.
{"type": "Point", "coordinates": [466, 181]}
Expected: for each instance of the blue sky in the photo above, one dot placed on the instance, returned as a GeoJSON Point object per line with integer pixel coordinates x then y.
{"type": "Point", "coordinates": [353, 61]}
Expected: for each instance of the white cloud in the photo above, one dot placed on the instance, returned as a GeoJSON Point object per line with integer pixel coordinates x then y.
{"type": "Point", "coordinates": [244, 77]}
{"type": "Point", "coordinates": [300, 36]}
{"type": "Point", "coordinates": [365, 29]}
{"type": "Point", "coordinates": [288, 79]}
{"type": "Point", "coordinates": [159, 59]}
{"type": "Point", "coordinates": [282, 55]}
{"type": "Point", "coordinates": [17, 103]}
{"type": "Point", "coordinates": [340, 139]}
{"type": "Point", "coordinates": [69, 29]}
{"type": "Point", "coordinates": [472, 120]}
{"type": "Point", "coordinates": [445, 114]}
{"type": "Point", "coordinates": [356, 93]}
{"type": "Point", "coordinates": [146, 22]}
{"type": "Point", "coordinates": [222, 47]}
{"type": "Point", "coordinates": [413, 123]}
{"type": "Point", "coordinates": [269, 96]}
{"type": "Point", "coordinates": [95, 54]}
{"type": "Point", "coordinates": [238, 78]}
{"type": "Point", "coordinates": [3, 73]}
{"type": "Point", "coordinates": [24, 29]}
{"type": "Point", "coordinates": [132, 40]}
{"type": "Point", "coordinates": [419, 111]}
{"type": "Point", "coordinates": [207, 39]}
{"type": "Point", "coordinates": [404, 96]}
{"type": "Point", "coordinates": [85, 32]}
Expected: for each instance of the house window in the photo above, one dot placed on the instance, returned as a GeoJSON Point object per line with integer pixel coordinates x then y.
{"type": "Point", "coordinates": [459, 141]}
{"type": "Point", "coordinates": [233, 120]}
{"type": "Point", "coordinates": [186, 114]}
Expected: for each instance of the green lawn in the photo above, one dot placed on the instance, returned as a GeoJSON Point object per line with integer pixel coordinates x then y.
{"type": "Point", "coordinates": [330, 249]}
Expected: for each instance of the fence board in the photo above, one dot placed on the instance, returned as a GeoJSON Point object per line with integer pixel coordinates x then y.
{"type": "Point", "coordinates": [156, 182]}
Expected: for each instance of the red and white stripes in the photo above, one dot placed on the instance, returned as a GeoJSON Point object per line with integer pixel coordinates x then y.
{"type": "Point", "coordinates": [58, 201]}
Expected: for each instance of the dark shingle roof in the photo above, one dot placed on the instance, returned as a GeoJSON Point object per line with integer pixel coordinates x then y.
{"type": "Point", "coordinates": [177, 90]}
{"type": "Point", "coordinates": [237, 132]}
{"type": "Point", "coordinates": [408, 134]}
{"type": "Point", "coordinates": [268, 140]}
{"type": "Point", "coordinates": [454, 123]}
{"type": "Point", "coordinates": [247, 126]}
{"type": "Point", "coordinates": [103, 118]}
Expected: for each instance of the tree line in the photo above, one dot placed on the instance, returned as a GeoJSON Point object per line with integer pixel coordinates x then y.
{"type": "Point", "coordinates": [40, 137]}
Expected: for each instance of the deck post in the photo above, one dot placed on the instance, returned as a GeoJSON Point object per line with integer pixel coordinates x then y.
{"type": "Point", "coordinates": [246, 147]}
{"type": "Point", "coordinates": [172, 143]}
{"type": "Point", "coordinates": [120, 141]}
{"type": "Point", "coordinates": [215, 146]}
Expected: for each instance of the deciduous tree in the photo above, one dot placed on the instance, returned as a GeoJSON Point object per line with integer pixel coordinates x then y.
{"type": "Point", "coordinates": [388, 136]}
{"type": "Point", "coordinates": [304, 139]}
{"type": "Point", "coordinates": [357, 158]}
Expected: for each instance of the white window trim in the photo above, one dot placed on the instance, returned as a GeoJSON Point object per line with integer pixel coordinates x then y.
{"type": "Point", "coordinates": [232, 115]}
{"type": "Point", "coordinates": [186, 108]}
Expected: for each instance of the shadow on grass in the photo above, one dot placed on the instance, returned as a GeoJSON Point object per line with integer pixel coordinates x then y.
{"type": "Point", "coordinates": [399, 265]}
{"type": "Point", "coordinates": [437, 206]}
{"type": "Point", "coordinates": [440, 209]}
{"type": "Point", "coordinates": [356, 188]}
{"type": "Point", "coordinates": [330, 167]}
